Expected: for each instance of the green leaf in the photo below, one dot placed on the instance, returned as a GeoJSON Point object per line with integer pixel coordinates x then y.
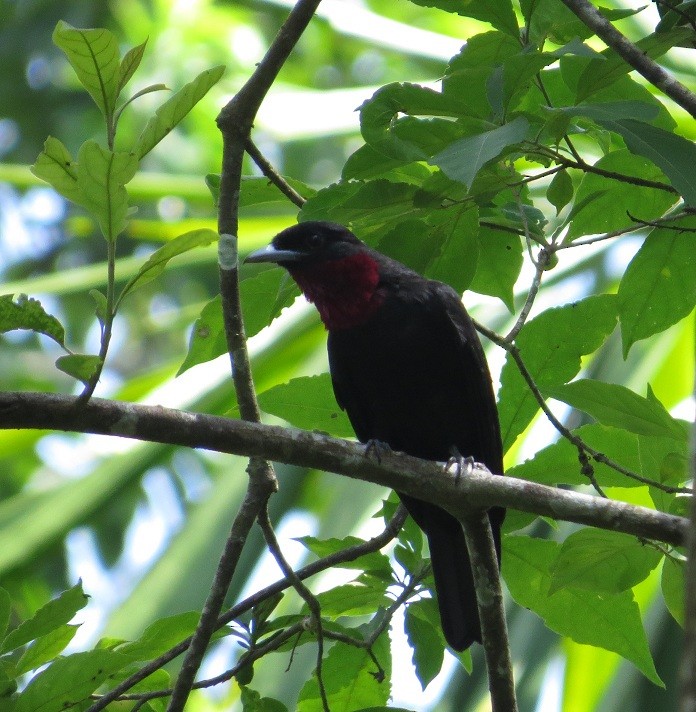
{"type": "Point", "coordinates": [27, 313]}
{"type": "Point", "coordinates": [609, 621]}
{"type": "Point", "coordinates": [94, 56]}
{"type": "Point", "coordinates": [604, 205]}
{"type": "Point", "coordinates": [350, 679]}
{"type": "Point", "coordinates": [560, 190]}
{"type": "Point", "coordinates": [551, 346]}
{"type": "Point", "coordinates": [55, 165]}
{"type": "Point", "coordinates": [69, 681]}
{"type": "Point", "coordinates": [253, 702]}
{"type": "Point", "coordinates": [307, 402]}
{"type": "Point", "coordinates": [208, 340]}
{"type": "Point", "coordinates": [352, 599]}
{"type": "Point", "coordinates": [463, 159]}
{"type": "Point", "coordinates": [500, 258]}
{"type": "Point", "coordinates": [175, 109]}
{"type": "Point", "coordinates": [600, 73]}
{"type": "Point", "coordinates": [101, 178]}
{"type": "Point", "coordinates": [613, 110]}
{"type": "Point", "coordinates": [264, 296]}
{"type": "Point", "coordinates": [672, 153]}
{"type": "Point", "coordinates": [5, 611]}
{"type": "Point", "coordinates": [54, 614]}
{"type": "Point", "coordinates": [160, 636]}
{"type": "Point", "coordinates": [674, 587]}
{"type": "Point", "coordinates": [155, 264]}
{"type": "Point", "coordinates": [498, 13]}
{"type": "Point", "coordinates": [101, 306]}
{"type": "Point", "coordinates": [619, 407]}
{"type": "Point", "coordinates": [378, 114]}
{"type": "Point", "coordinates": [455, 232]}
{"type": "Point", "coordinates": [422, 627]}
{"type": "Point", "coordinates": [373, 562]}
{"type": "Point", "coordinates": [658, 287]}
{"type": "Point", "coordinates": [128, 65]}
{"type": "Point", "coordinates": [643, 454]}
{"type": "Point", "coordinates": [602, 561]}
{"type": "Point", "coordinates": [46, 648]}
{"type": "Point", "coordinates": [80, 366]}
{"type": "Point", "coordinates": [257, 190]}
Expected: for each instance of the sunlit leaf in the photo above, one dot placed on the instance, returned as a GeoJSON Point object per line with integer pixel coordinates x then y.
{"type": "Point", "coordinates": [80, 366]}
{"type": "Point", "coordinates": [659, 285]}
{"type": "Point", "coordinates": [551, 346]}
{"type": "Point", "coordinates": [69, 680]}
{"type": "Point", "coordinates": [48, 618]}
{"type": "Point", "coordinates": [307, 402]}
{"type": "Point", "coordinates": [609, 621]}
{"type": "Point", "coordinates": [175, 109]}
{"type": "Point", "coordinates": [129, 64]}
{"type": "Point", "coordinates": [155, 264]}
{"type": "Point", "coordinates": [101, 178]}
{"type": "Point", "coordinates": [24, 312]}
{"type": "Point", "coordinates": [498, 13]}
{"type": "Point", "coordinates": [55, 165]}
{"type": "Point", "coordinates": [602, 561]}
{"type": "Point", "coordinates": [94, 56]}
{"type": "Point", "coordinates": [45, 648]}
{"type": "Point", "coordinates": [422, 627]}
{"type": "Point", "coordinates": [616, 405]}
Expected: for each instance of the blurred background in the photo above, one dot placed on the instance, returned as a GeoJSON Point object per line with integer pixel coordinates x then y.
{"type": "Point", "coordinates": [142, 524]}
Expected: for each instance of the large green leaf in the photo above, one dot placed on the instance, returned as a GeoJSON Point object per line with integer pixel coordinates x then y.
{"type": "Point", "coordinates": [674, 154]}
{"type": "Point", "coordinates": [422, 627]}
{"type": "Point", "coordinates": [350, 679]}
{"type": "Point", "coordinates": [463, 159]}
{"type": "Point", "coordinates": [498, 265]}
{"type": "Point", "coordinates": [498, 13]}
{"type": "Point", "coordinates": [658, 287]}
{"type": "Point", "coordinates": [602, 561]}
{"type": "Point", "coordinates": [616, 405]}
{"type": "Point", "coordinates": [609, 621]}
{"type": "Point", "coordinates": [551, 346]}
{"type": "Point", "coordinates": [101, 179]}
{"type": "Point", "coordinates": [308, 403]}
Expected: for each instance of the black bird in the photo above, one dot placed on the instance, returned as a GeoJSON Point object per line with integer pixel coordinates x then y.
{"type": "Point", "coordinates": [408, 368]}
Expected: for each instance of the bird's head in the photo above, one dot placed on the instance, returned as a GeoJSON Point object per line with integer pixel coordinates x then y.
{"type": "Point", "coordinates": [334, 270]}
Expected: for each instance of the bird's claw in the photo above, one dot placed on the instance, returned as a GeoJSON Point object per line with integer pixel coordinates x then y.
{"type": "Point", "coordinates": [461, 465]}
{"type": "Point", "coordinates": [377, 448]}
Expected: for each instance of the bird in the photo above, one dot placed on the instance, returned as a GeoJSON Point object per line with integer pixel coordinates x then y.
{"type": "Point", "coordinates": [408, 368]}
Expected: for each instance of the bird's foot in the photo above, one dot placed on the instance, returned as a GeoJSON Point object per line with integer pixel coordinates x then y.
{"type": "Point", "coordinates": [377, 448]}
{"type": "Point", "coordinates": [461, 465]}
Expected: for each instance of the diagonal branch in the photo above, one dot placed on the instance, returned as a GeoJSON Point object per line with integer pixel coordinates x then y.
{"type": "Point", "coordinates": [652, 71]}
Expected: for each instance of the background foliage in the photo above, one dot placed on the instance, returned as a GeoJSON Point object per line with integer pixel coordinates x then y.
{"type": "Point", "coordinates": [472, 182]}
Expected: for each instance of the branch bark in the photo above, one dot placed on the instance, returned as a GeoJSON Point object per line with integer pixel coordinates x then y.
{"type": "Point", "coordinates": [652, 71]}
{"type": "Point", "coordinates": [419, 478]}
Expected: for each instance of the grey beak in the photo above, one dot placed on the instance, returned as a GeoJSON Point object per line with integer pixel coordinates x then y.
{"type": "Point", "coordinates": [272, 254]}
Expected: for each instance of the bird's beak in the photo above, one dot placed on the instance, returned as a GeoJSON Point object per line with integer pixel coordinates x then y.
{"type": "Point", "coordinates": [270, 253]}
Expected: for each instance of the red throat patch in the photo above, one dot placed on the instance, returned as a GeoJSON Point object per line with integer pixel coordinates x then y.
{"type": "Point", "coordinates": [344, 291]}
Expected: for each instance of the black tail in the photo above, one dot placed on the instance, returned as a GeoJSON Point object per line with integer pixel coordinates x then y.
{"type": "Point", "coordinates": [454, 581]}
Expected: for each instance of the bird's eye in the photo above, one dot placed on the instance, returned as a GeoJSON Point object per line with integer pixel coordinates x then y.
{"type": "Point", "coordinates": [314, 241]}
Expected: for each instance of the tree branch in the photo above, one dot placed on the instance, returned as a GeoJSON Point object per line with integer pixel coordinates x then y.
{"type": "Point", "coordinates": [489, 597]}
{"type": "Point", "coordinates": [419, 478]}
{"type": "Point", "coordinates": [631, 54]}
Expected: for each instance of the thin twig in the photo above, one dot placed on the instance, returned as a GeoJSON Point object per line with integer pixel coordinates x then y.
{"type": "Point", "coordinates": [351, 553]}
{"type": "Point", "coordinates": [272, 174]}
{"type": "Point", "coordinates": [257, 495]}
{"type": "Point", "coordinates": [307, 596]}
{"type": "Point", "coordinates": [514, 352]}
{"type": "Point", "coordinates": [633, 55]}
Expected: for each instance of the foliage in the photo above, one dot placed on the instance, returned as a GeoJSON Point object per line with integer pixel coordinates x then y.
{"type": "Point", "coordinates": [514, 180]}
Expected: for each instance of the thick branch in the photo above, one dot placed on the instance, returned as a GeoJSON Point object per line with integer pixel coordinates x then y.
{"type": "Point", "coordinates": [418, 478]}
{"type": "Point", "coordinates": [652, 71]}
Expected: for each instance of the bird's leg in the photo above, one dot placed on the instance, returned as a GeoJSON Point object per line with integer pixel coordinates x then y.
{"type": "Point", "coordinates": [462, 465]}
{"type": "Point", "coordinates": [377, 448]}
